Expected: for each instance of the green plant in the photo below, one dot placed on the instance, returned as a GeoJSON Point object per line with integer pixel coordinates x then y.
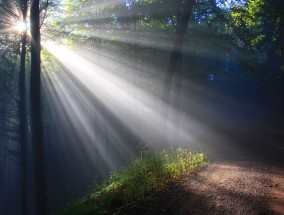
{"type": "Point", "coordinates": [153, 172]}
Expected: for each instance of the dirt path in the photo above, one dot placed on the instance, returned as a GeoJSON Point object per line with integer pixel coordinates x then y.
{"type": "Point", "coordinates": [235, 188]}
{"type": "Point", "coordinates": [222, 188]}
{"type": "Point", "coordinates": [245, 177]}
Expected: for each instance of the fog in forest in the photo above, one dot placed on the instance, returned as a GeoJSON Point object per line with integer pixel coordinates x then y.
{"type": "Point", "coordinates": [105, 102]}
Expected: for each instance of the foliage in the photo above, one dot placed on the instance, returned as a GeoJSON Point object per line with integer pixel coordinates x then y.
{"type": "Point", "coordinates": [9, 64]}
{"type": "Point", "coordinates": [247, 21]}
{"type": "Point", "coordinates": [258, 24]}
{"type": "Point", "coordinates": [153, 172]}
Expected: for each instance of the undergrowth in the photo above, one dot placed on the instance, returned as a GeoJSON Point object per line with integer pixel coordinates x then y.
{"type": "Point", "coordinates": [151, 173]}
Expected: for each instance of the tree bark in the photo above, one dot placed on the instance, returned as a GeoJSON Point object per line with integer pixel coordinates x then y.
{"type": "Point", "coordinates": [22, 112]}
{"type": "Point", "coordinates": [176, 55]}
{"type": "Point", "coordinates": [35, 110]}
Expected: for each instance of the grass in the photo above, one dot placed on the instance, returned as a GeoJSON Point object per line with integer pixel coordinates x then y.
{"type": "Point", "coordinates": [151, 173]}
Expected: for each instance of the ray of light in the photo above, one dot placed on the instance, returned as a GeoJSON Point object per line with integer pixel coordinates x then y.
{"type": "Point", "coordinates": [115, 93]}
{"type": "Point", "coordinates": [20, 27]}
{"type": "Point", "coordinates": [12, 19]}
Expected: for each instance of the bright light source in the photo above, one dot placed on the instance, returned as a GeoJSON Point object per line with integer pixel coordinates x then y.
{"type": "Point", "coordinates": [21, 27]}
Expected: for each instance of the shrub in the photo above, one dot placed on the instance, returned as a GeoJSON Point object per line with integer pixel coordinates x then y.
{"type": "Point", "coordinates": [153, 172]}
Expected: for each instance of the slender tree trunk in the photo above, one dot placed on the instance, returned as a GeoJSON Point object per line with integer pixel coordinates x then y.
{"type": "Point", "coordinates": [176, 55]}
{"type": "Point", "coordinates": [282, 60]}
{"type": "Point", "coordinates": [282, 99]}
{"type": "Point", "coordinates": [35, 110]}
{"type": "Point", "coordinates": [2, 172]}
{"type": "Point", "coordinates": [22, 112]}
{"type": "Point", "coordinates": [177, 102]}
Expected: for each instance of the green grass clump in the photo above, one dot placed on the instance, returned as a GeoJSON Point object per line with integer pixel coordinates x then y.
{"type": "Point", "coordinates": [151, 173]}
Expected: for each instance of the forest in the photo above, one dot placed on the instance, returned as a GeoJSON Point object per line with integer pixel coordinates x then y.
{"type": "Point", "coordinates": [89, 87]}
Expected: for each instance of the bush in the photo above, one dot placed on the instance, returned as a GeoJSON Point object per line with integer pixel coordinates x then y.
{"type": "Point", "coordinates": [153, 172]}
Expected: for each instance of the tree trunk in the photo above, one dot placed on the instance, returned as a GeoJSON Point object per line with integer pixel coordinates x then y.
{"type": "Point", "coordinates": [282, 101]}
{"type": "Point", "coordinates": [35, 110]}
{"type": "Point", "coordinates": [22, 113]}
{"type": "Point", "coordinates": [176, 55]}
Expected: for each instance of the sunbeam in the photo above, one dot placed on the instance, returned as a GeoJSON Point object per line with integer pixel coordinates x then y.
{"type": "Point", "coordinates": [21, 27]}
{"type": "Point", "coordinates": [114, 109]}
{"type": "Point", "coordinates": [93, 87]}
{"type": "Point", "coordinates": [121, 98]}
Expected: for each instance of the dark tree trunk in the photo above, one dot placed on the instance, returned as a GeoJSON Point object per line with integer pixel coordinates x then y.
{"type": "Point", "coordinates": [35, 110]}
{"type": "Point", "coordinates": [2, 170]}
{"type": "Point", "coordinates": [176, 55]}
{"type": "Point", "coordinates": [282, 60]}
{"type": "Point", "coordinates": [282, 101]}
{"type": "Point", "coordinates": [22, 112]}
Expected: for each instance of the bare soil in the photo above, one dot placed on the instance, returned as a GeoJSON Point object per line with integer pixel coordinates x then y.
{"type": "Point", "coordinates": [245, 177]}
{"type": "Point", "coordinates": [221, 188]}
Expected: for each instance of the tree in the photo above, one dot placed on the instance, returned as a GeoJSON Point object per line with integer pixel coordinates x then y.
{"type": "Point", "coordinates": [182, 19]}
{"type": "Point", "coordinates": [22, 110]}
{"type": "Point", "coordinates": [35, 109]}
{"type": "Point", "coordinates": [9, 59]}
{"type": "Point", "coordinates": [260, 27]}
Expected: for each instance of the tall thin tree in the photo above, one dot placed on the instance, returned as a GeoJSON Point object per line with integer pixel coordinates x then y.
{"type": "Point", "coordinates": [174, 66]}
{"type": "Point", "coordinates": [35, 109]}
{"type": "Point", "coordinates": [176, 55]}
{"type": "Point", "coordinates": [22, 109]}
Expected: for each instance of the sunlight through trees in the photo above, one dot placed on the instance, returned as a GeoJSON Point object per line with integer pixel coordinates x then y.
{"type": "Point", "coordinates": [87, 86]}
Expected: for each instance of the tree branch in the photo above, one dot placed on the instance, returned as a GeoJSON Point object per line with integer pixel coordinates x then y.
{"type": "Point", "coordinates": [44, 15]}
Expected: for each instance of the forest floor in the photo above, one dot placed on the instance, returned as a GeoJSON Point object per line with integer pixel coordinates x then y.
{"type": "Point", "coordinates": [222, 188]}
{"type": "Point", "coordinates": [244, 177]}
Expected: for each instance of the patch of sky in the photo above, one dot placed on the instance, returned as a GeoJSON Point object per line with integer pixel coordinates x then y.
{"type": "Point", "coordinates": [128, 3]}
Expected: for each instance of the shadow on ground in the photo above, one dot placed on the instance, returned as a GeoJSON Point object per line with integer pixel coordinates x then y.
{"type": "Point", "coordinates": [220, 188]}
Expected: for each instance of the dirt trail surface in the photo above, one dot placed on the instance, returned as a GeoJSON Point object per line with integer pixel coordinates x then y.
{"type": "Point", "coordinates": [245, 177]}
{"type": "Point", "coordinates": [222, 188]}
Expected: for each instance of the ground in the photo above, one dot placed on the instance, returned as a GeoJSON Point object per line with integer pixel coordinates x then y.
{"type": "Point", "coordinates": [244, 177]}
{"type": "Point", "coordinates": [222, 188]}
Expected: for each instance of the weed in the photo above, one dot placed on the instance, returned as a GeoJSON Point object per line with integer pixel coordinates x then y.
{"type": "Point", "coordinates": [152, 172]}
